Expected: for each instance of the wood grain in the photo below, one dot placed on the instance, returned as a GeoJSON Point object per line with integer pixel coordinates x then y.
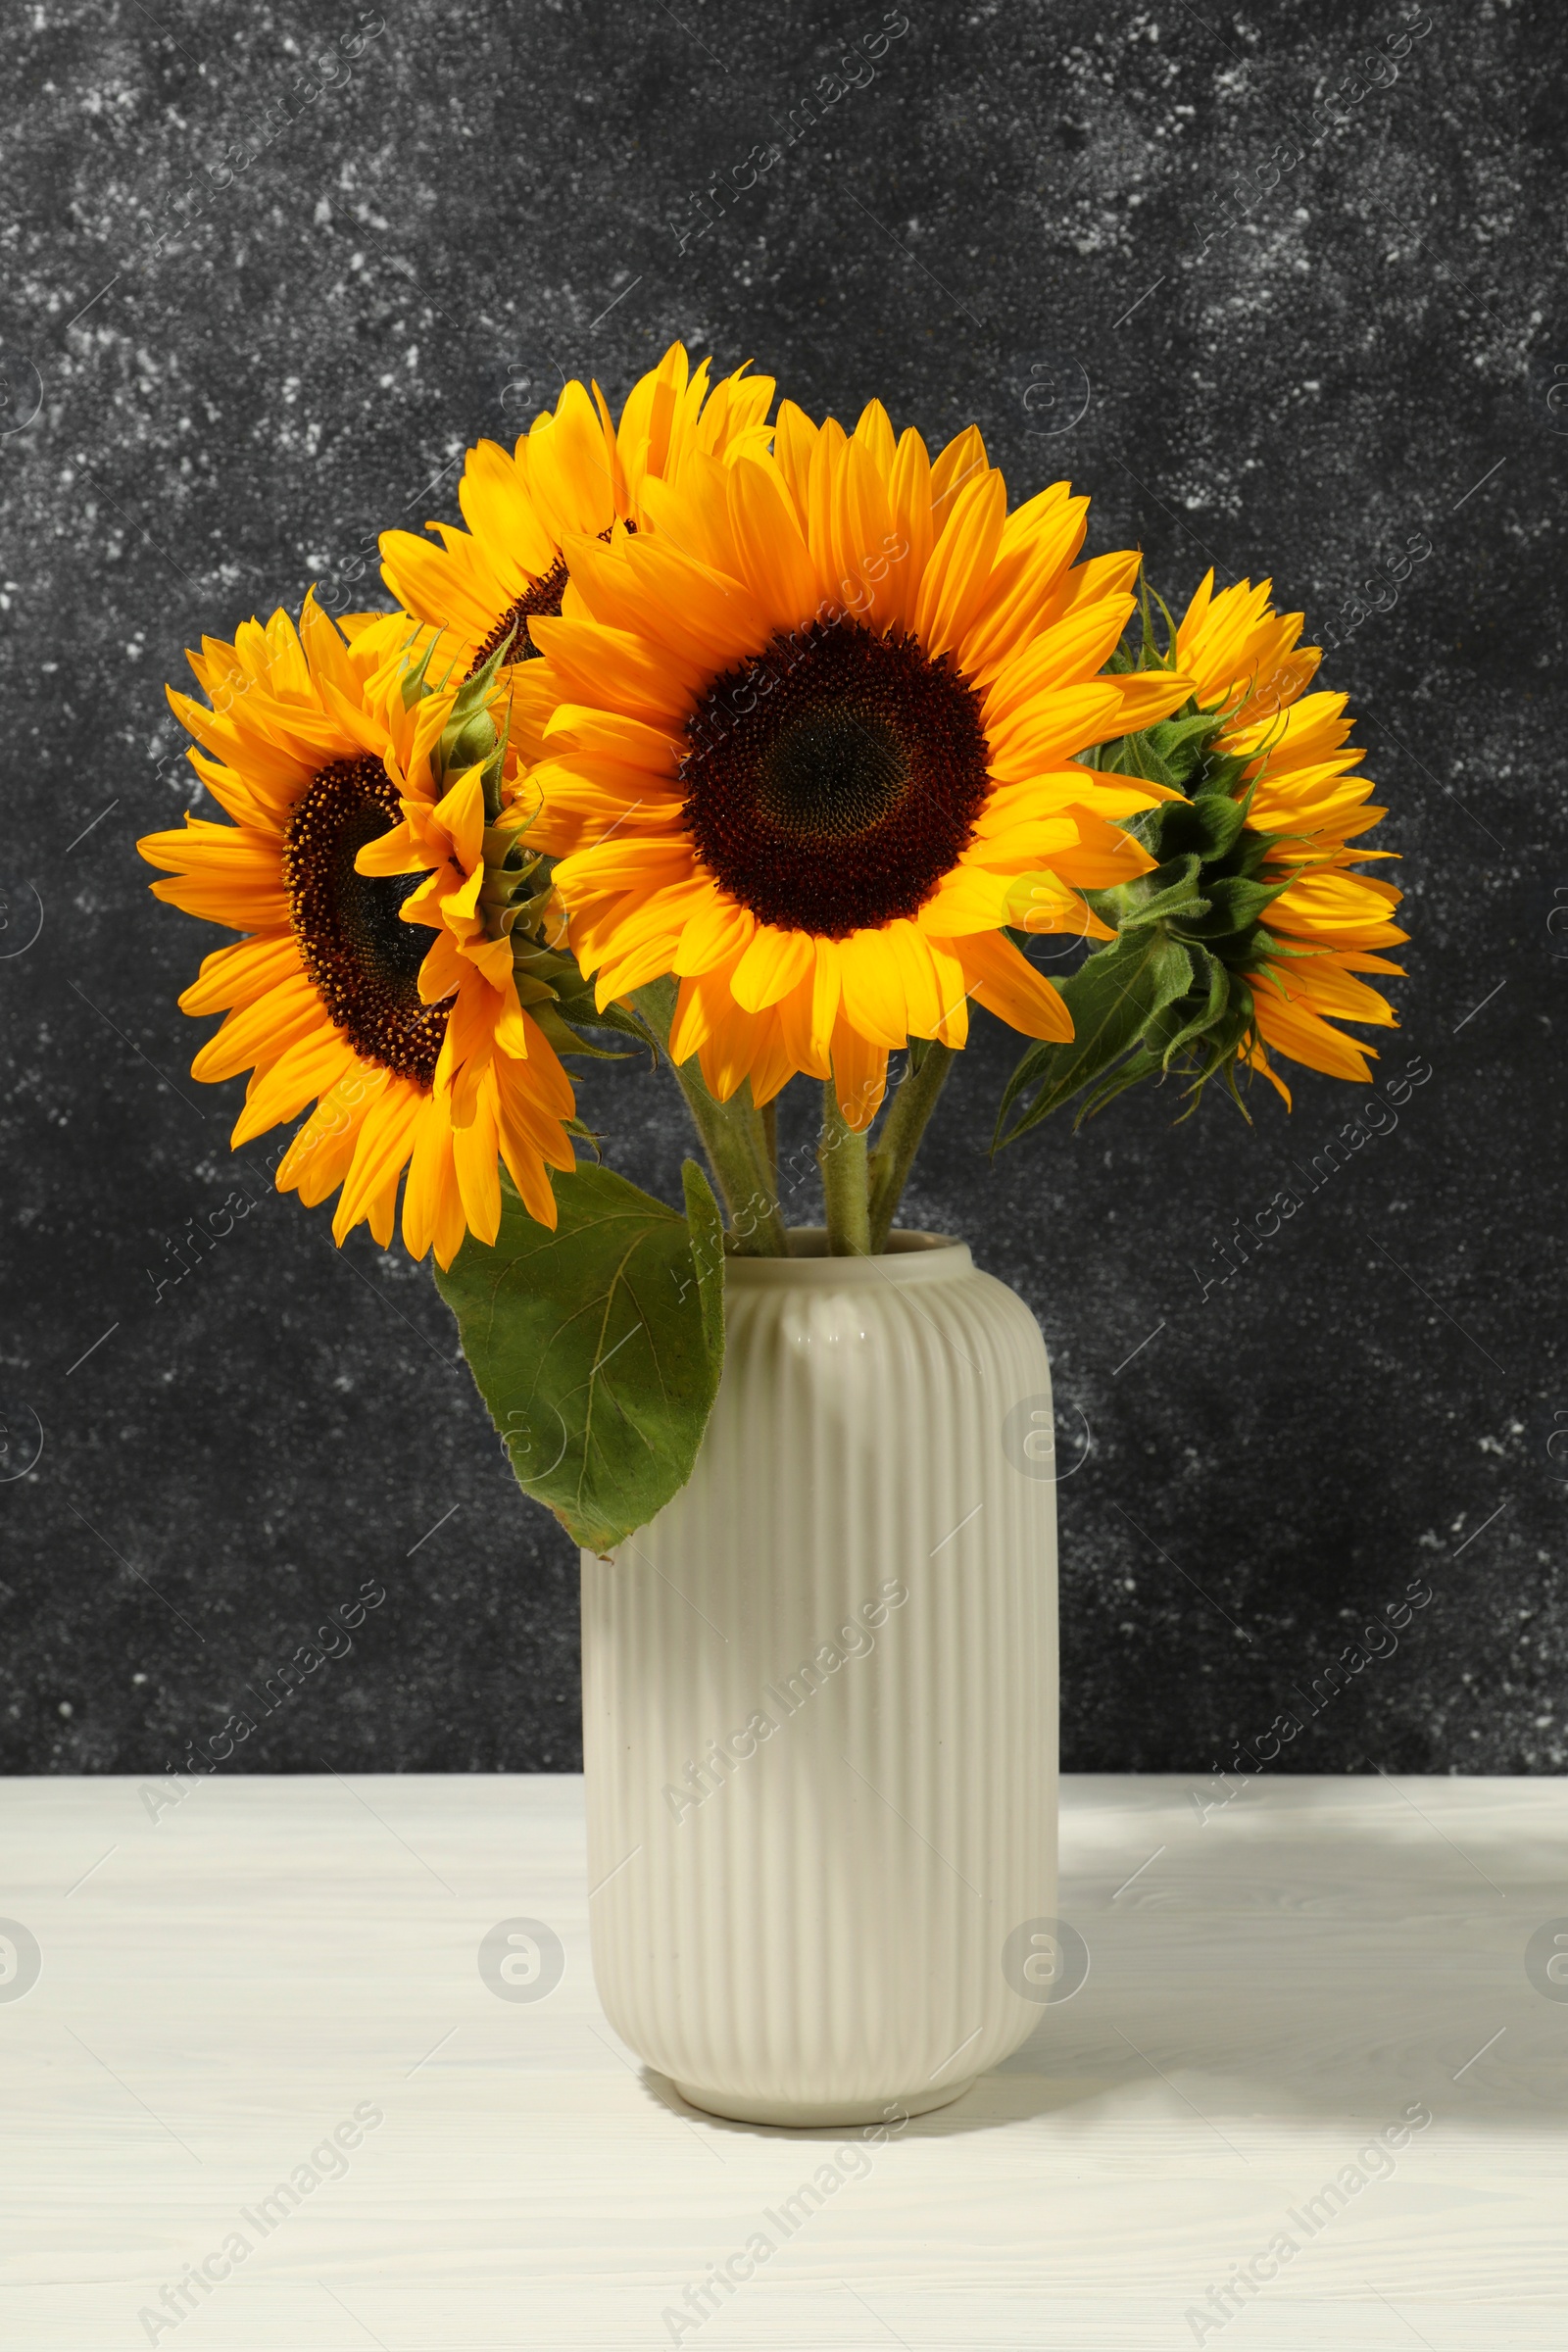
{"type": "Point", "coordinates": [1278, 1981]}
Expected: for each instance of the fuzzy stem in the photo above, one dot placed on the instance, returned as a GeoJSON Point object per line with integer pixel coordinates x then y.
{"type": "Point", "coordinates": [900, 1140]}
{"type": "Point", "coordinates": [842, 1158]}
{"type": "Point", "coordinates": [731, 1135]}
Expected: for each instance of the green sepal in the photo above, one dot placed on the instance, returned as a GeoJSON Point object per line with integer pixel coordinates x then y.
{"type": "Point", "coordinates": [1170, 891]}
{"type": "Point", "coordinates": [469, 738]}
{"type": "Point", "coordinates": [1214, 1043]}
{"type": "Point", "coordinates": [1177, 1024]}
{"type": "Point", "coordinates": [1174, 751]}
{"type": "Point", "coordinates": [547, 1013]}
{"type": "Point", "coordinates": [1235, 904]}
{"type": "Point", "coordinates": [1208, 826]}
{"type": "Point", "coordinates": [414, 687]}
{"type": "Point", "coordinates": [598, 1346]}
{"type": "Point", "coordinates": [557, 972]}
{"type": "Point", "coordinates": [1111, 996]}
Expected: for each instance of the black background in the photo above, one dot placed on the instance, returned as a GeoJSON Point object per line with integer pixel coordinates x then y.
{"type": "Point", "coordinates": [240, 385]}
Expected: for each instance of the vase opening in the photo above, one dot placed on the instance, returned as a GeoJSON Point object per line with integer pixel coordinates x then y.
{"type": "Point", "coordinates": [910, 1257]}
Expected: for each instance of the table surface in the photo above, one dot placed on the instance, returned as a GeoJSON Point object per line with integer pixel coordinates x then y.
{"type": "Point", "coordinates": [225, 1981]}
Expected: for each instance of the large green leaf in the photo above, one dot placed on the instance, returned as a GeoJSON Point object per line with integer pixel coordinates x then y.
{"type": "Point", "coordinates": [597, 1347]}
{"type": "Point", "coordinates": [1111, 996]}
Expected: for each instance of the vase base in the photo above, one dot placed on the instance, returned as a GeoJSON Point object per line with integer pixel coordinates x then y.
{"type": "Point", "coordinates": [803, 2115]}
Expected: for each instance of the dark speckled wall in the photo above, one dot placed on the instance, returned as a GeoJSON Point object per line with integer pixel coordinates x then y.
{"type": "Point", "coordinates": [1074, 225]}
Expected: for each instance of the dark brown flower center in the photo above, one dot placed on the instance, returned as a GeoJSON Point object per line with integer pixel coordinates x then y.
{"type": "Point", "coordinates": [833, 783]}
{"type": "Point", "coordinates": [361, 957]}
{"type": "Point", "coordinates": [541, 599]}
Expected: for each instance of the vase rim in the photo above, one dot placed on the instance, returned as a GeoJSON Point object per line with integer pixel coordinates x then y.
{"type": "Point", "coordinates": [910, 1257]}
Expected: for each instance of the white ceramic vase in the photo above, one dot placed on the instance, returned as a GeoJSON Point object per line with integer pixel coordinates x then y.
{"type": "Point", "coordinates": [819, 1702]}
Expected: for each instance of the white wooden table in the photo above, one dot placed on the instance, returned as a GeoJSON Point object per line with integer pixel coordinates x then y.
{"type": "Point", "coordinates": [223, 1987]}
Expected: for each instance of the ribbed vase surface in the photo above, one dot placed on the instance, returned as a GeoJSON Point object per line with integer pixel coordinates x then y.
{"type": "Point", "coordinates": [819, 1702]}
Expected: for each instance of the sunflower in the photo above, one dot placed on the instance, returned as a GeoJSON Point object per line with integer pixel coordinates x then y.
{"type": "Point", "coordinates": [808, 745]}
{"type": "Point", "coordinates": [356, 834]}
{"type": "Point", "coordinates": [1246, 659]}
{"type": "Point", "coordinates": [573, 474]}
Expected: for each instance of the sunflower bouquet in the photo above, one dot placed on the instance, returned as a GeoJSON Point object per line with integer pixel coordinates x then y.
{"type": "Point", "coordinates": [767, 749]}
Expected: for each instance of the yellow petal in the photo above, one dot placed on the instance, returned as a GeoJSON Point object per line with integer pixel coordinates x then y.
{"type": "Point", "coordinates": [775, 962]}
{"type": "Point", "coordinates": [1006, 983]}
{"type": "Point", "coordinates": [860, 1074]}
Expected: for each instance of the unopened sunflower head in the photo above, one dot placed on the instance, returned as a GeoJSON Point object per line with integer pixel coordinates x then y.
{"type": "Point", "coordinates": [808, 746]}
{"type": "Point", "coordinates": [369, 810]}
{"type": "Point", "coordinates": [1250, 931]}
{"type": "Point", "coordinates": [1326, 923]}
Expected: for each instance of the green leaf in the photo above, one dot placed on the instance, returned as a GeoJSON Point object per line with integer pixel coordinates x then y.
{"type": "Point", "coordinates": [1111, 996]}
{"type": "Point", "coordinates": [597, 1347]}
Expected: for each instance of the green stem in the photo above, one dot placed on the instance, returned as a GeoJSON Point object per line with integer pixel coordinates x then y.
{"type": "Point", "coordinates": [732, 1137]}
{"type": "Point", "coordinates": [842, 1158]}
{"type": "Point", "coordinates": [900, 1140]}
